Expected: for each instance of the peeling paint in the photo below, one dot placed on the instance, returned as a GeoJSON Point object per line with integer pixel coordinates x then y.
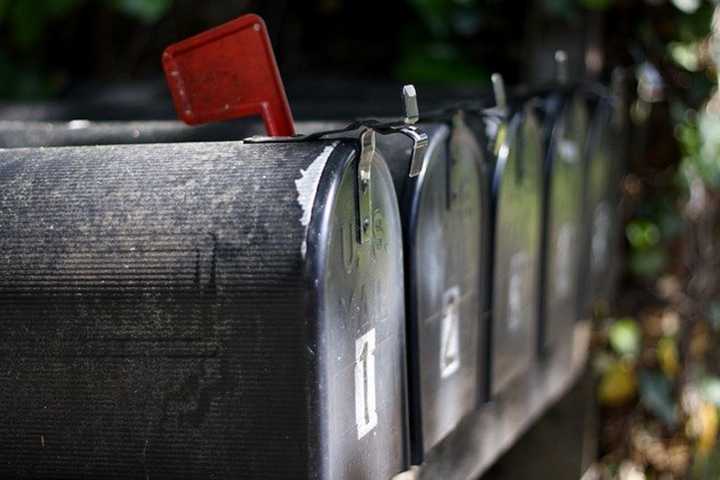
{"type": "Point", "coordinates": [307, 186]}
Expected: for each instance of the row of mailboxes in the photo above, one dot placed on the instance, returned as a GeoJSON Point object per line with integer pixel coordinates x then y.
{"type": "Point", "coordinates": [224, 308]}
{"type": "Point", "coordinates": [326, 306]}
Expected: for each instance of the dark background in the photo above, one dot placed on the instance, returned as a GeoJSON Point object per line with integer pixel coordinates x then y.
{"type": "Point", "coordinates": [56, 48]}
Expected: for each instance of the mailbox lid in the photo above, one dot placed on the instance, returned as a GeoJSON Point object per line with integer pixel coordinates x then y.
{"type": "Point", "coordinates": [517, 198]}
{"type": "Point", "coordinates": [565, 166]}
{"type": "Point", "coordinates": [361, 325]}
{"type": "Point", "coordinates": [603, 175]}
{"type": "Point", "coordinates": [445, 227]}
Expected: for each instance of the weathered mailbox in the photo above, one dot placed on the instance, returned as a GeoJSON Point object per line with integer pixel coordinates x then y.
{"type": "Point", "coordinates": [444, 218]}
{"type": "Point", "coordinates": [604, 154]}
{"type": "Point", "coordinates": [517, 197]}
{"type": "Point", "coordinates": [202, 310]}
{"type": "Point", "coordinates": [565, 119]}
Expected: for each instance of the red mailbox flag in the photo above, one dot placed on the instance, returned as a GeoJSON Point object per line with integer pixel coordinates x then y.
{"type": "Point", "coordinates": [228, 72]}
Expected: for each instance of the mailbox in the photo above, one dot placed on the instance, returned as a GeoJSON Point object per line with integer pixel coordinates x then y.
{"type": "Point", "coordinates": [444, 217]}
{"type": "Point", "coordinates": [200, 310]}
{"type": "Point", "coordinates": [601, 200]}
{"type": "Point", "coordinates": [516, 208]}
{"type": "Point", "coordinates": [566, 127]}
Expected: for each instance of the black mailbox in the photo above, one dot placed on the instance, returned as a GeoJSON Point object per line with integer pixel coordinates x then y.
{"type": "Point", "coordinates": [566, 127]}
{"type": "Point", "coordinates": [200, 310]}
{"type": "Point", "coordinates": [444, 217]}
{"type": "Point", "coordinates": [516, 196]}
{"type": "Point", "coordinates": [604, 151]}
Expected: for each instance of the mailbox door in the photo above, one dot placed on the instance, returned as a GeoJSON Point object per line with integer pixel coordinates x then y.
{"type": "Point", "coordinates": [445, 229]}
{"type": "Point", "coordinates": [517, 186]}
{"type": "Point", "coordinates": [564, 169]}
{"type": "Point", "coordinates": [361, 337]}
{"type": "Point", "coordinates": [601, 208]}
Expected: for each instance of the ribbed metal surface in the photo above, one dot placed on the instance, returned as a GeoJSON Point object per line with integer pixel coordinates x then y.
{"type": "Point", "coordinates": [152, 303]}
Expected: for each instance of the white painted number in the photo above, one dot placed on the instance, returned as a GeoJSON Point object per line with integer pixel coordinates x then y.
{"type": "Point", "coordinates": [601, 225]}
{"type": "Point", "coordinates": [450, 333]}
{"type": "Point", "coordinates": [563, 256]}
{"type": "Point", "coordinates": [518, 265]}
{"type": "Point", "coordinates": [366, 416]}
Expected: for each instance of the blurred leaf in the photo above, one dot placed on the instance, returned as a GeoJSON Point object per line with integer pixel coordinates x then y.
{"type": "Point", "coordinates": [597, 4]}
{"type": "Point", "coordinates": [603, 361]}
{"type": "Point", "coordinates": [27, 22]}
{"type": "Point", "coordinates": [624, 337]}
{"type": "Point", "coordinates": [706, 158]}
{"type": "Point", "coordinates": [706, 467]}
{"type": "Point", "coordinates": [4, 5]}
{"type": "Point", "coordinates": [148, 11]}
{"type": "Point", "coordinates": [706, 420]}
{"type": "Point", "coordinates": [694, 25]}
{"type": "Point", "coordinates": [642, 234]}
{"type": "Point", "coordinates": [436, 14]}
{"type": "Point", "coordinates": [648, 263]}
{"type": "Point", "coordinates": [27, 19]}
{"type": "Point", "coordinates": [668, 357]}
{"type": "Point", "coordinates": [440, 63]}
{"type": "Point", "coordinates": [687, 55]}
{"type": "Point", "coordinates": [23, 83]}
{"type": "Point", "coordinates": [566, 9]}
{"type": "Point", "coordinates": [714, 315]}
{"type": "Point", "coordinates": [655, 396]}
{"type": "Point", "coordinates": [710, 388]}
{"type": "Point", "coordinates": [59, 8]}
{"type": "Point", "coordinates": [687, 6]}
{"type": "Point", "coordinates": [618, 385]}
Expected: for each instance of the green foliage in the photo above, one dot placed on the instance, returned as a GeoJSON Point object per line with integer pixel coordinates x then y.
{"type": "Point", "coordinates": [699, 139]}
{"type": "Point", "coordinates": [27, 19]}
{"type": "Point", "coordinates": [570, 8]}
{"type": "Point", "coordinates": [148, 11]}
{"type": "Point", "coordinates": [657, 224]}
{"type": "Point", "coordinates": [707, 468]}
{"type": "Point", "coordinates": [436, 51]}
{"type": "Point", "coordinates": [442, 64]}
{"type": "Point", "coordinates": [656, 397]}
{"type": "Point", "coordinates": [624, 337]}
{"type": "Point", "coordinates": [642, 234]}
{"type": "Point", "coordinates": [597, 4]}
{"type": "Point", "coordinates": [647, 254]}
{"type": "Point", "coordinates": [710, 387]}
{"type": "Point", "coordinates": [25, 24]}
